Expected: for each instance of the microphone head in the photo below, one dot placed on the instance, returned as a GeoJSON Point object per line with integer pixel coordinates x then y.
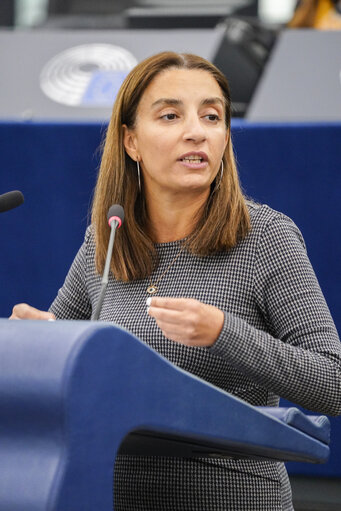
{"type": "Point", "coordinates": [115, 212]}
{"type": "Point", "coordinates": [10, 200]}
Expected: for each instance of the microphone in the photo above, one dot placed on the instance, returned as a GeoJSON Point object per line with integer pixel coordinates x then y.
{"type": "Point", "coordinates": [10, 200]}
{"type": "Point", "coordinates": [115, 218]}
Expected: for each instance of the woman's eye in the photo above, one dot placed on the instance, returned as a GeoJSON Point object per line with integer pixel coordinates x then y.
{"type": "Point", "coordinates": [212, 117]}
{"type": "Point", "coordinates": [169, 117]}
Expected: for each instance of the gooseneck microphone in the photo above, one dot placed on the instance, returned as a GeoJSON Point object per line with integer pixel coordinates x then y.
{"type": "Point", "coordinates": [115, 218]}
{"type": "Point", "coordinates": [10, 200]}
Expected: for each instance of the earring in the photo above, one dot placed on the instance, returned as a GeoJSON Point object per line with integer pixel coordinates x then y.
{"type": "Point", "coordinates": [138, 174]}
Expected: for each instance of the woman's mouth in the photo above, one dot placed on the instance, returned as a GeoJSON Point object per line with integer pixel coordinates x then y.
{"type": "Point", "coordinates": [194, 160]}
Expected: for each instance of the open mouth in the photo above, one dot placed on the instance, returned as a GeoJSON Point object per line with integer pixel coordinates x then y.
{"type": "Point", "coordinates": [193, 159]}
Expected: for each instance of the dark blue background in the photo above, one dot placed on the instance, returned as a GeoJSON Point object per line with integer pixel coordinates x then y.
{"type": "Point", "coordinates": [293, 168]}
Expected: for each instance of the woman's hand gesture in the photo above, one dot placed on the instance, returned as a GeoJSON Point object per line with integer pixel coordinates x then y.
{"type": "Point", "coordinates": [186, 320]}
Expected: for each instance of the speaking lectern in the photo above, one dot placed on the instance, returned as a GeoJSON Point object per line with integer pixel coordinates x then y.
{"type": "Point", "coordinates": [73, 394]}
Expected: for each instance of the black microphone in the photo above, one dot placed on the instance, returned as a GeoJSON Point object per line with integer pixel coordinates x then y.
{"type": "Point", "coordinates": [115, 218]}
{"type": "Point", "coordinates": [10, 200]}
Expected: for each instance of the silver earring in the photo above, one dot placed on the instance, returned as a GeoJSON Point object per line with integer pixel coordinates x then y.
{"type": "Point", "coordinates": [138, 174]}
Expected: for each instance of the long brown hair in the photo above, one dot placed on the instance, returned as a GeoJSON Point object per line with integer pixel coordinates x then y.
{"type": "Point", "coordinates": [225, 218]}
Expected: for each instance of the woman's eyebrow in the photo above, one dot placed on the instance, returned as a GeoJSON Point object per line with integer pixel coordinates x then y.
{"type": "Point", "coordinates": [213, 101]}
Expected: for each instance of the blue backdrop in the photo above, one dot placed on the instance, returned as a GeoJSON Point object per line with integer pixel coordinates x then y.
{"type": "Point", "coordinates": [293, 168]}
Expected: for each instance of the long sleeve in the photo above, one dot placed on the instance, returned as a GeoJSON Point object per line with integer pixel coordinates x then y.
{"type": "Point", "coordinates": [73, 301]}
{"type": "Point", "coordinates": [299, 357]}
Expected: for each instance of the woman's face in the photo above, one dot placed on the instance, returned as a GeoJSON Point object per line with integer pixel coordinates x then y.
{"type": "Point", "coordinates": [180, 133]}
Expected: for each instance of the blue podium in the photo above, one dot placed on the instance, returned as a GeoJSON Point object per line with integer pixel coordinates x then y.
{"type": "Point", "coordinates": [74, 394]}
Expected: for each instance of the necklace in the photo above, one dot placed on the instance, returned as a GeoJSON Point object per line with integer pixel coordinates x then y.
{"type": "Point", "coordinates": [152, 288]}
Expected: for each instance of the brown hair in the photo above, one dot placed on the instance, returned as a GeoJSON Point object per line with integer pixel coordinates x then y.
{"type": "Point", "coordinates": [304, 15]}
{"type": "Point", "coordinates": [225, 218]}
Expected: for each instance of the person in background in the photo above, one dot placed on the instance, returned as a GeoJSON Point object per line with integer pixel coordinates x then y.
{"type": "Point", "coordinates": [231, 295]}
{"type": "Point", "coordinates": [320, 14]}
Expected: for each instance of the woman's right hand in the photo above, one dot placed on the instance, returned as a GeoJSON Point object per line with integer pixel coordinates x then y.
{"type": "Point", "coordinates": [25, 311]}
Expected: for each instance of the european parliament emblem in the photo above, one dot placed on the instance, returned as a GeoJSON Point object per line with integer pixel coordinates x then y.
{"type": "Point", "coordinates": [88, 75]}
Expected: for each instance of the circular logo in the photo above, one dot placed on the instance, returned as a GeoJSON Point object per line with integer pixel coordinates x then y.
{"type": "Point", "coordinates": [88, 75]}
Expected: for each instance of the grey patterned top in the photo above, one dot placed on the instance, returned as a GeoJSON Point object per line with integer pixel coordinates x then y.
{"type": "Point", "coordinates": [278, 339]}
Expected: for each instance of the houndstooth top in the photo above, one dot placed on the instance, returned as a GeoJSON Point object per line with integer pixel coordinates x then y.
{"type": "Point", "coordinates": [278, 339]}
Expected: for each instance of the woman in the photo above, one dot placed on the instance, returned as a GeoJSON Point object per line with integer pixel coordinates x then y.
{"type": "Point", "coordinates": [232, 296]}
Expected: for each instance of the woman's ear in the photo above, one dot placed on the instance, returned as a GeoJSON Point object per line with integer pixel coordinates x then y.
{"type": "Point", "coordinates": [130, 142]}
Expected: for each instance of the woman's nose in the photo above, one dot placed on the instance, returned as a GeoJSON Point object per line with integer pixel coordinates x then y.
{"type": "Point", "coordinates": [194, 130]}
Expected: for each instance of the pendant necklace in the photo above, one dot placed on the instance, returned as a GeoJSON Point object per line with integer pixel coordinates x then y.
{"type": "Point", "coordinates": [152, 288]}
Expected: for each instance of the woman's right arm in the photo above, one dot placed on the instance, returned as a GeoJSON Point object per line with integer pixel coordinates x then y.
{"type": "Point", "coordinates": [73, 300]}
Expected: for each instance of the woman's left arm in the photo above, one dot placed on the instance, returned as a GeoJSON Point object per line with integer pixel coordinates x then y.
{"type": "Point", "coordinates": [299, 357]}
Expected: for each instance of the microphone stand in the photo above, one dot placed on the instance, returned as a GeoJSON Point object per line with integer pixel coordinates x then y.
{"type": "Point", "coordinates": [105, 277]}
